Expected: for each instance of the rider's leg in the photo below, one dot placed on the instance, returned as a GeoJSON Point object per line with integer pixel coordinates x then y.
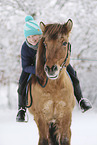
{"type": "Point", "coordinates": [22, 98]}
{"type": "Point", "coordinates": [84, 103]}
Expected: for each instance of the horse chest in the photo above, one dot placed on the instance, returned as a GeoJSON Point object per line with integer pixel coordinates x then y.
{"type": "Point", "coordinates": [51, 103]}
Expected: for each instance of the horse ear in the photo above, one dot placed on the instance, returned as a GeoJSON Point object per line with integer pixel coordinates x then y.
{"type": "Point", "coordinates": [40, 60]}
{"type": "Point", "coordinates": [69, 25]}
{"type": "Point", "coordinates": [42, 26]}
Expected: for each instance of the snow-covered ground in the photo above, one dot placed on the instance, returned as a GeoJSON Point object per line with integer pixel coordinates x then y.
{"type": "Point", "coordinates": [84, 129]}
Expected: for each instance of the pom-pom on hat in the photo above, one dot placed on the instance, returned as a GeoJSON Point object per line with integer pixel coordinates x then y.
{"type": "Point", "coordinates": [31, 27]}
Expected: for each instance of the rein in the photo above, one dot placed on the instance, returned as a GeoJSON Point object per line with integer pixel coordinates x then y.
{"type": "Point", "coordinates": [31, 100]}
{"type": "Point", "coordinates": [43, 86]}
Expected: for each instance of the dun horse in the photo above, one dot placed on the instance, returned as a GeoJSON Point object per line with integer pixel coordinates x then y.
{"type": "Point", "coordinates": [52, 90]}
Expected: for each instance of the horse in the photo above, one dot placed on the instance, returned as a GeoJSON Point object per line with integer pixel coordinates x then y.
{"type": "Point", "coordinates": [52, 89]}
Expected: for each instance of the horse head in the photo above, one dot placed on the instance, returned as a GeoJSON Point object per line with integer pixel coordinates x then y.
{"type": "Point", "coordinates": [54, 51]}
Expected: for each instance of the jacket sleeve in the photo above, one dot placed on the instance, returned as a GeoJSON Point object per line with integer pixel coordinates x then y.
{"type": "Point", "coordinates": [29, 68]}
{"type": "Point", "coordinates": [27, 64]}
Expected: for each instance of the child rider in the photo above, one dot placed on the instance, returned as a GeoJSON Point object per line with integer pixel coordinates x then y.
{"type": "Point", "coordinates": [32, 33]}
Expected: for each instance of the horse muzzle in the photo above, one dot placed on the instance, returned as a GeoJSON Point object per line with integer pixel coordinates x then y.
{"type": "Point", "coordinates": [52, 72]}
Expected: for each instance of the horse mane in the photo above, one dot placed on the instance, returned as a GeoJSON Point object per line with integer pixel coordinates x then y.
{"type": "Point", "coordinates": [40, 60]}
{"type": "Point", "coordinates": [53, 30]}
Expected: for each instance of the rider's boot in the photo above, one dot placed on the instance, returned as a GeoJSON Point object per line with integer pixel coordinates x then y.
{"type": "Point", "coordinates": [21, 115]}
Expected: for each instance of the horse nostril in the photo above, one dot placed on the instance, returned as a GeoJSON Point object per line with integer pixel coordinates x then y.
{"type": "Point", "coordinates": [46, 68]}
{"type": "Point", "coordinates": [50, 70]}
{"type": "Point", "coordinates": [55, 68]}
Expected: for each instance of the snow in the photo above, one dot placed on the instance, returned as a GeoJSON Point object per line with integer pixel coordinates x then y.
{"type": "Point", "coordinates": [14, 133]}
{"type": "Point", "coordinates": [84, 129]}
{"type": "Point", "coordinates": [83, 39]}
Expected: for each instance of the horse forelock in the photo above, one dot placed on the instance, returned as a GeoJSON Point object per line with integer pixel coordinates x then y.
{"type": "Point", "coordinates": [53, 30]}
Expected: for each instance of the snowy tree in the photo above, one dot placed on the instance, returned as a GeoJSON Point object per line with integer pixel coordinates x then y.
{"type": "Point", "coordinates": [83, 39]}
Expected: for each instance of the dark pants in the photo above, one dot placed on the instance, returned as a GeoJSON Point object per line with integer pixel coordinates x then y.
{"type": "Point", "coordinates": [73, 74]}
{"type": "Point", "coordinates": [23, 82]}
{"type": "Point", "coordinates": [76, 83]}
{"type": "Point", "coordinates": [22, 99]}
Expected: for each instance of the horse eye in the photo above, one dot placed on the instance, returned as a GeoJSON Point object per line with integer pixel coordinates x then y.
{"type": "Point", "coordinates": [44, 44]}
{"type": "Point", "coordinates": [64, 43]}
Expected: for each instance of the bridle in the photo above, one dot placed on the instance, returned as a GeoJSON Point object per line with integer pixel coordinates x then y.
{"type": "Point", "coordinates": [61, 67]}
{"type": "Point", "coordinates": [69, 49]}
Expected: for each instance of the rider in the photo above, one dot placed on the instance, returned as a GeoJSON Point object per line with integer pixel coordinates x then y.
{"type": "Point", "coordinates": [32, 33]}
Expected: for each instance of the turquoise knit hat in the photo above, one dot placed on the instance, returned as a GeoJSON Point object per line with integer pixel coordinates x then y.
{"type": "Point", "coordinates": [31, 27]}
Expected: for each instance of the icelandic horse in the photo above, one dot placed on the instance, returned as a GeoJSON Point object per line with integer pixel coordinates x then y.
{"type": "Point", "coordinates": [52, 90]}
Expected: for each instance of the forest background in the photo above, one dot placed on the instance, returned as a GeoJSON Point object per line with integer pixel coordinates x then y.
{"type": "Point", "coordinates": [83, 39]}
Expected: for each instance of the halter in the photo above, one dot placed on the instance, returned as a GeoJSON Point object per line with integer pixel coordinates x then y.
{"type": "Point", "coordinates": [63, 64]}
{"type": "Point", "coordinates": [69, 49]}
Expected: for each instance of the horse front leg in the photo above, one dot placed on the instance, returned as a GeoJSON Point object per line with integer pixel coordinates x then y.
{"type": "Point", "coordinates": [66, 131]}
{"type": "Point", "coordinates": [43, 132]}
{"type": "Point", "coordinates": [59, 134]}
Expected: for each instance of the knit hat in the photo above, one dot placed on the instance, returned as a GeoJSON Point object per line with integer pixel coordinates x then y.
{"type": "Point", "coordinates": [31, 27]}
